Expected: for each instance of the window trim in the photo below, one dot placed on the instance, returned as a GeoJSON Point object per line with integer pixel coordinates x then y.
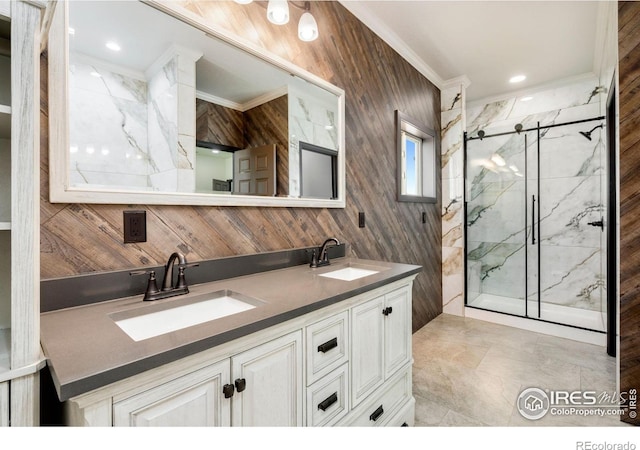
{"type": "Point", "coordinates": [405, 123]}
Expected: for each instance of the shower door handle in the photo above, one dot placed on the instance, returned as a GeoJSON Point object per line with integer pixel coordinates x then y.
{"type": "Point", "coordinates": [533, 220]}
{"type": "Point", "coordinates": [597, 223]}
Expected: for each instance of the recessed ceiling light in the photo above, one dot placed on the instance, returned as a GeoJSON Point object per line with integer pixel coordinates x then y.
{"type": "Point", "coordinates": [90, 150]}
{"type": "Point", "coordinates": [113, 46]}
{"type": "Point", "coordinates": [517, 79]}
{"type": "Point", "coordinates": [526, 99]}
{"type": "Point", "coordinates": [215, 151]}
{"type": "Point", "coordinates": [72, 31]}
{"type": "Point", "coordinates": [95, 74]}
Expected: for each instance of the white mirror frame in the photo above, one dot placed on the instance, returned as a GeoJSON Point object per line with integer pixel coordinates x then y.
{"type": "Point", "coordinates": [60, 190]}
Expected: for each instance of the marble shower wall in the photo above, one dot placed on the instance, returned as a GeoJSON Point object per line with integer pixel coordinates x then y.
{"type": "Point", "coordinates": [311, 120]}
{"type": "Point", "coordinates": [163, 126]}
{"type": "Point", "coordinates": [500, 198]}
{"type": "Point", "coordinates": [452, 137]}
{"type": "Point", "coordinates": [146, 137]}
{"type": "Point", "coordinates": [109, 153]}
{"type": "Point", "coordinates": [172, 120]}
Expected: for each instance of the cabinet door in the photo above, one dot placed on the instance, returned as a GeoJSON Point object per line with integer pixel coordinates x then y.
{"type": "Point", "coordinates": [269, 384]}
{"type": "Point", "coordinates": [367, 348]}
{"type": "Point", "coordinates": [192, 400]}
{"type": "Point", "coordinates": [397, 330]}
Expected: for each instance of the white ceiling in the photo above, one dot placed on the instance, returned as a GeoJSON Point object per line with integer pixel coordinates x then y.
{"type": "Point", "coordinates": [488, 41]}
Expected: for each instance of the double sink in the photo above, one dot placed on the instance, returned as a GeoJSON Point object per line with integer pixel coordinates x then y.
{"type": "Point", "coordinates": [179, 313]}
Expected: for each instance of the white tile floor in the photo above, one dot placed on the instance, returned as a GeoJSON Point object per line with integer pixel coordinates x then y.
{"type": "Point", "coordinates": [469, 372]}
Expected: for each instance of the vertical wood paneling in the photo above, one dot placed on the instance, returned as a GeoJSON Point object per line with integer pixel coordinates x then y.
{"type": "Point", "coordinates": [4, 404]}
{"type": "Point", "coordinates": [377, 81]}
{"type": "Point", "coordinates": [25, 261]}
{"type": "Point", "coordinates": [629, 76]}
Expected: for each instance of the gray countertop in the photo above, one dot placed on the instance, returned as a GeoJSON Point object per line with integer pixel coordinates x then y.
{"type": "Point", "coordinates": [87, 350]}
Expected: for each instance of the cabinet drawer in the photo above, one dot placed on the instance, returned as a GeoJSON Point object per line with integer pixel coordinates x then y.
{"type": "Point", "coordinates": [394, 395]}
{"type": "Point", "coordinates": [405, 417]}
{"type": "Point", "coordinates": [327, 345]}
{"type": "Point", "coordinates": [328, 398]}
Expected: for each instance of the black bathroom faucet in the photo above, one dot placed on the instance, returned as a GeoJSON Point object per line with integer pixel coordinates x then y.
{"type": "Point", "coordinates": [323, 258]}
{"type": "Point", "coordinates": [168, 290]}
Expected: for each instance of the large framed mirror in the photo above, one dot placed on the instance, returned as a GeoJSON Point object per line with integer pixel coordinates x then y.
{"type": "Point", "coordinates": [151, 105]}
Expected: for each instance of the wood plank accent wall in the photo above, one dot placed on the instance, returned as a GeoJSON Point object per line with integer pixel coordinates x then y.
{"type": "Point", "coordinates": [81, 238]}
{"type": "Point", "coordinates": [262, 125]}
{"type": "Point", "coordinates": [629, 76]}
{"type": "Point", "coordinates": [219, 124]}
{"type": "Point", "coordinates": [268, 124]}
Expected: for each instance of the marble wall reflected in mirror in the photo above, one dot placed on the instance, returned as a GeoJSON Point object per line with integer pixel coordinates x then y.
{"type": "Point", "coordinates": [158, 105]}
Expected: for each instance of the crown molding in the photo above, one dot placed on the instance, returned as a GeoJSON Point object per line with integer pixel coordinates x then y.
{"type": "Point", "coordinates": [380, 28]}
{"type": "Point", "coordinates": [455, 82]}
{"type": "Point", "coordinates": [242, 107]}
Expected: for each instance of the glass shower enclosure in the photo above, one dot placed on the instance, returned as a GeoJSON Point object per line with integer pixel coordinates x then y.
{"type": "Point", "coordinates": [535, 199]}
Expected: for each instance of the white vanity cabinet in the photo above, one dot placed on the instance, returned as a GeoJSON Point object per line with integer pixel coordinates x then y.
{"type": "Point", "coordinates": [259, 387]}
{"type": "Point", "coordinates": [381, 340]}
{"type": "Point", "coordinates": [195, 399]}
{"type": "Point", "coordinates": [327, 356]}
{"type": "Point", "coordinates": [301, 372]}
{"type": "Point", "coordinates": [268, 384]}
{"type": "Point", "coordinates": [381, 389]}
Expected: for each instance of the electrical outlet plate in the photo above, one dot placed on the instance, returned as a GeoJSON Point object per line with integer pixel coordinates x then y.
{"type": "Point", "coordinates": [135, 226]}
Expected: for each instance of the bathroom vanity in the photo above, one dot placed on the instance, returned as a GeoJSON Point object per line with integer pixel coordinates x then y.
{"type": "Point", "coordinates": [329, 346]}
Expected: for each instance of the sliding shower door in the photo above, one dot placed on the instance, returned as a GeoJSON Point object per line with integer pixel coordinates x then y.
{"type": "Point", "coordinates": [571, 225]}
{"type": "Point", "coordinates": [534, 223]}
{"type": "Point", "coordinates": [496, 220]}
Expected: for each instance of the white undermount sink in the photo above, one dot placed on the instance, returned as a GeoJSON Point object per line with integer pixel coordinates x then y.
{"type": "Point", "coordinates": [349, 273]}
{"type": "Point", "coordinates": [169, 317]}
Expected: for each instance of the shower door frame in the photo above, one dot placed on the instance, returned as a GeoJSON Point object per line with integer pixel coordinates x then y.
{"type": "Point", "coordinates": [537, 128]}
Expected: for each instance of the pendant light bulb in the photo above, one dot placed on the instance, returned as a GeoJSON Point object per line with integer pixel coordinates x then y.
{"type": "Point", "coordinates": [278, 12]}
{"type": "Point", "coordinates": [307, 28]}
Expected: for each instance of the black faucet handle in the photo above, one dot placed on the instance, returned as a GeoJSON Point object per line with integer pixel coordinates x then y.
{"type": "Point", "coordinates": [152, 286]}
{"type": "Point", "coordinates": [182, 282]}
{"type": "Point", "coordinates": [314, 259]}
